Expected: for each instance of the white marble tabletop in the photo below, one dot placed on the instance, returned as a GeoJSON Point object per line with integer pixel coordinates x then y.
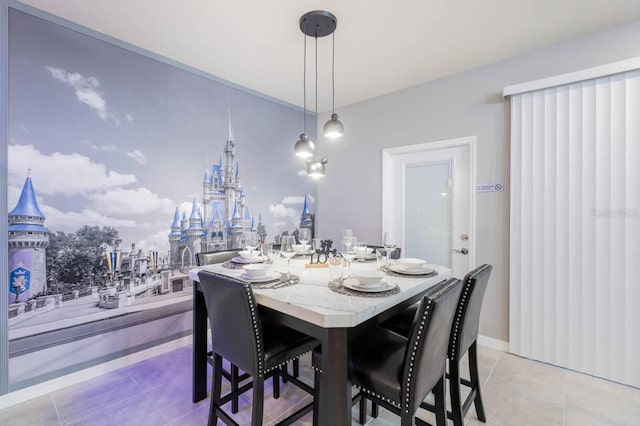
{"type": "Point", "coordinates": [313, 301]}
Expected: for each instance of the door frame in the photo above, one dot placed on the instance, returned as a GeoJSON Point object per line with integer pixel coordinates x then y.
{"type": "Point", "coordinates": [389, 156]}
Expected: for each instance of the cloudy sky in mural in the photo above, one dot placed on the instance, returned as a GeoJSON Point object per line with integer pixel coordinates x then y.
{"type": "Point", "coordinates": [114, 138]}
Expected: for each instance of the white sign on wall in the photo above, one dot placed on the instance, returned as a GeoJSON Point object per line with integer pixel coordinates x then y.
{"type": "Point", "coordinates": [489, 187]}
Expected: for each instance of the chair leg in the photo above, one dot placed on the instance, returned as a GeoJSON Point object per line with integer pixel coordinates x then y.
{"type": "Point", "coordinates": [276, 384]}
{"type": "Point", "coordinates": [296, 367]}
{"type": "Point", "coordinates": [454, 391]}
{"type": "Point", "coordinates": [216, 387]}
{"type": "Point", "coordinates": [374, 410]}
{"type": "Point", "coordinates": [440, 398]}
{"type": "Point", "coordinates": [475, 382]}
{"type": "Point", "coordinates": [362, 418]}
{"type": "Point", "coordinates": [235, 384]}
{"type": "Point", "coordinates": [317, 376]}
{"type": "Point", "coordinates": [258, 401]}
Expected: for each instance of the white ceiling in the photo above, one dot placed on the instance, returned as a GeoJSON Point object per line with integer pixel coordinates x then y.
{"type": "Point", "coordinates": [381, 45]}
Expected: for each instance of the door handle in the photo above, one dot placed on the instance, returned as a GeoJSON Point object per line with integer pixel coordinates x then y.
{"type": "Point", "coordinates": [463, 250]}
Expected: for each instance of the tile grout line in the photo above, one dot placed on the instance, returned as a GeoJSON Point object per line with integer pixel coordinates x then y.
{"type": "Point", "coordinates": [135, 382]}
{"type": "Point", "coordinates": [55, 407]}
{"type": "Point", "coordinates": [495, 364]}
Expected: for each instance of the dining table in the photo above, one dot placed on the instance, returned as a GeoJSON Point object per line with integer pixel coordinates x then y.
{"type": "Point", "coordinates": [324, 309]}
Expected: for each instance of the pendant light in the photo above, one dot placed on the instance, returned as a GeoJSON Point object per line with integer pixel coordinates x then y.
{"type": "Point", "coordinates": [333, 128]}
{"type": "Point", "coordinates": [318, 23]}
{"type": "Point", "coordinates": [304, 147]}
{"type": "Point", "coordinates": [316, 168]}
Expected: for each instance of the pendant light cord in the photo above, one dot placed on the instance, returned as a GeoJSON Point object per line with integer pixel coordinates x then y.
{"type": "Point", "coordinates": [316, 72]}
{"type": "Point", "coordinates": [304, 85]}
{"type": "Point", "coordinates": [333, 73]}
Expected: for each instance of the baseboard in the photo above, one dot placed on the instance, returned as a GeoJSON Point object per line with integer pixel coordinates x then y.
{"type": "Point", "coordinates": [22, 395]}
{"type": "Point", "coordinates": [490, 342]}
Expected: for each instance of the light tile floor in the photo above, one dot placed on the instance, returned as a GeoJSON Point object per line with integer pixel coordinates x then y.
{"type": "Point", "coordinates": [157, 392]}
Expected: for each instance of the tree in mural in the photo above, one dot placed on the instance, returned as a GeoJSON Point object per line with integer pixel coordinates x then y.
{"type": "Point", "coordinates": [77, 260]}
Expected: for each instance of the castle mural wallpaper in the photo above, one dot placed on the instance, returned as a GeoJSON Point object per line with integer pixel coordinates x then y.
{"type": "Point", "coordinates": [122, 167]}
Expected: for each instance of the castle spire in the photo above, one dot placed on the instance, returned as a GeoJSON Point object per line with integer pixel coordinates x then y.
{"type": "Point", "coordinates": [195, 213]}
{"type": "Point", "coordinates": [230, 134]}
{"type": "Point", "coordinates": [176, 219]}
{"type": "Point", "coordinates": [27, 204]}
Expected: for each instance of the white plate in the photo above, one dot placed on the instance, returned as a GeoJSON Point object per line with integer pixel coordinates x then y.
{"type": "Point", "coordinates": [418, 271]}
{"type": "Point", "coordinates": [367, 257]}
{"type": "Point", "coordinates": [269, 277]}
{"type": "Point", "coordinates": [240, 259]}
{"type": "Point", "coordinates": [355, 285]}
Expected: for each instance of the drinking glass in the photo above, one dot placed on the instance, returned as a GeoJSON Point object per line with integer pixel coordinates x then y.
{"type": "Point", "coordinates": [288, 250]}
{"type": "Point", "coordinates": [362, 251]}
{"type": "Point", "coordinates": [267, 251]}
{"type": "Point", "coordinates": [304, 236]}
{"type": "Point", "coordinates": [335, 267]}
{"type": "Point", "coordinates": [250, 241]}
{"type": "Point", "coordinates": [389, 243]}
{"type": "Point", "coordinates": [317, 244]}
{"type": "Point", "coordinates": [349, 251]}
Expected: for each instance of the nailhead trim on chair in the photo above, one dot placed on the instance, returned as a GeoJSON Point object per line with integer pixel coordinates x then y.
{"type": "Point", "coordinates": [420, 327]}
{"type": "Point", "coordinates": [466, 291]}
{"type": "Point", "coordinates": [383, 398]}
{"type": "Point", "coordinates": [414, 350]}
{"type": "Point", "coordinates": [286, 362]}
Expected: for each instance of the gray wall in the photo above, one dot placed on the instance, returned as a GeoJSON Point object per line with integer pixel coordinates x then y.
{"type": "Point", "coordinates": [466, 104]}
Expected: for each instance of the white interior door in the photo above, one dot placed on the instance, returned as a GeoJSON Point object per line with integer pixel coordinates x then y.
{"type": "Point", "coordinates": [429, 202]}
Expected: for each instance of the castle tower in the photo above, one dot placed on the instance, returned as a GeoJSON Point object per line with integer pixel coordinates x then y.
{"type": "Point", "coordinates": [306, 218]}
{"type": "Point", "coordinates": [28, 240]}
{"type": "Point", "coordinates": [229, 175]}
{"type": "Point", "coordinates": [194, 231]}
{"type": "Point", "coordinates": [236, 227]}
{"type": "Point", "coordinates": [261, 229]}
{"type": "Point", "coordinates": [174, 240]}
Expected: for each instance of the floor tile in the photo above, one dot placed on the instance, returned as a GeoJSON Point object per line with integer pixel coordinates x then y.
{"type": "Point", "coordinates": [79, 401]}
{"type": "Point", "coordinates": [36, 412]}
{"type": "Point", "coordinates": [174, 399]}
{"type": "Point", "coordinates": [524, 392]}
{"type": "Point", "coordinates": [591, 401]}
{"type": "Point", "coordinates": [136, 411]}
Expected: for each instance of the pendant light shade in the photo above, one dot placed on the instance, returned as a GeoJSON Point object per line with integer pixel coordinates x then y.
{"type": "Point", "coordinates": [333, 128]}
{"type": "Point", "coordinates": [304, 147]}
{"type": "Point", "coordinates": [316, 168]}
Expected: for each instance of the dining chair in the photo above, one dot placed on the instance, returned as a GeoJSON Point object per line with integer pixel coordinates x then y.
{"type": "Point", "coordinates": [398, 372]}
{"type": "Point", "coordinates": [233, 375]}
{"type": "Point", "coordinates": [258, 348]}
{"type": "Point", "coordinates": [463, 338]}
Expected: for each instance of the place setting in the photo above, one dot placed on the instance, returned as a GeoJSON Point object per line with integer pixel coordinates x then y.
{"type": "Point", "coordinates": [364, 284]}
{"type": "Point", "coordinates": [408, 267]}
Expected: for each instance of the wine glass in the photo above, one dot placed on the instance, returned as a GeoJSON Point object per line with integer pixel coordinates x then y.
{"type": "Point", "coordinates": [349, 251]}
{"type": "Point", "coordinates": [288, 250]}
{"type": "Point", "coordinates": [389, 243]}
{"type": "Point", "coordinates": [251, 242]}
{"type": "Point", "coordinates": [304, 236]}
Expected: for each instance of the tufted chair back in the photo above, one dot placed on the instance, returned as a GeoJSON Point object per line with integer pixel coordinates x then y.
{"type": "Point", "coordinates": [464, 330]}
{"type": "Point", "coordinates": [236, 332]}
{"type": "Point", "coordinates": [212, 257]}
{"type": "Point", "coordinates": [425, 359]}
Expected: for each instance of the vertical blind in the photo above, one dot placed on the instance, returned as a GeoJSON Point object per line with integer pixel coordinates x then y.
{"type": "Point", "coordinates": [575, 226]}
